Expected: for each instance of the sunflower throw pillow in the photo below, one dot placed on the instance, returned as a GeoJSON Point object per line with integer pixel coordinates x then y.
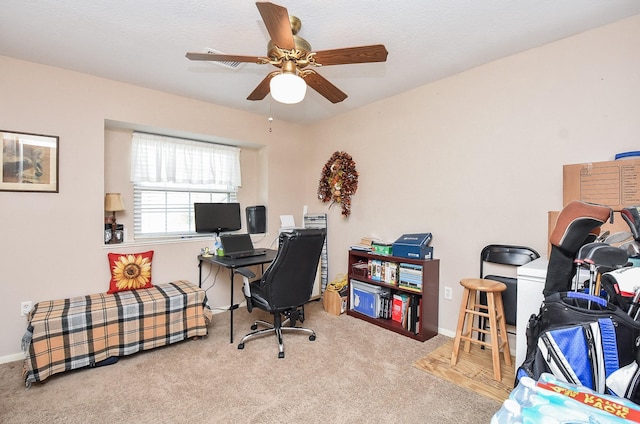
{"type": "Point", "coordinates": [130, 271]}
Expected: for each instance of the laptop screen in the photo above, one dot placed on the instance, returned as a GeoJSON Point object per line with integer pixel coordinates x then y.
{"type": "Point", "coordinates": [232, 243]}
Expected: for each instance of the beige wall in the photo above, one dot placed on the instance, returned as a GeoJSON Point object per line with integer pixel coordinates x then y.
{"type": "Point", "coordinates": [475, 159]}
{"type": "Point", "coordinates": [52, 244]}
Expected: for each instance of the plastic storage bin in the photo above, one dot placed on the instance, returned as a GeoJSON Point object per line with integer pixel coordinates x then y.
{"type": "Point", "coordinates": [365, 298]}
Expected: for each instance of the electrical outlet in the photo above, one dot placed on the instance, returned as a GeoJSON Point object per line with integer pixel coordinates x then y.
{"type": "Point", "coordinates": [25, 307]}
{"type": "Point", "coordinates": [448, 293]}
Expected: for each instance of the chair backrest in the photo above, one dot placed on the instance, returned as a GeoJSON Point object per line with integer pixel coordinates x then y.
{"type": "Point", "coordinates": [504, 254]}
{"type": "Point", "coordinates": [288, 282]}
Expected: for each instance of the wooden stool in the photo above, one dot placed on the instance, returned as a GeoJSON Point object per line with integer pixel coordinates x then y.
{"type": "Point", "coordinates": [494, 310]}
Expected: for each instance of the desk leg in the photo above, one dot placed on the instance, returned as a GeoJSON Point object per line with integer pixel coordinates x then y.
{"type": "Point", "coordinates": [200, 273]}
{"type": "Point", "coordinates": [231, 308]}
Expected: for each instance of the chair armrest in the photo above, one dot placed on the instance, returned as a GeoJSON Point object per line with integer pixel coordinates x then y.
{"type": "Point", "coordinates": [246, 273]}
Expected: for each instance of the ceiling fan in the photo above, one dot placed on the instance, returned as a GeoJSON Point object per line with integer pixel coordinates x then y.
{"type": "Point", "coordinates": [294, 56]}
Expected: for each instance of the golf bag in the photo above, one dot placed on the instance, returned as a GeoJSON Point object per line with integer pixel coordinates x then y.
{"type": "Point", "coordinates": [578, 223]}
{"type": "Point", "coordinates": [631, 216]}
{"type": "Point", "coordinates": [584, 340]}
{"type": "Point", "coordinates": [621, 287]}
{"type": "Point", "coordinates": [576, 229]}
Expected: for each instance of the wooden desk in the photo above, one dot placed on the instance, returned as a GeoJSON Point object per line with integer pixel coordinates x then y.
{"type": "Point", "coordinates": [232, 265]}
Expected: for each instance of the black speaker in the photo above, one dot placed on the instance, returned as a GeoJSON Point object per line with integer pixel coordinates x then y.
{"type": "Point", "coordinates": [256, 219]}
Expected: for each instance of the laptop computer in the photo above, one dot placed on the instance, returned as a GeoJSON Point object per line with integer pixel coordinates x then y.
{"type": "Point", "coordinates": [237, 246]}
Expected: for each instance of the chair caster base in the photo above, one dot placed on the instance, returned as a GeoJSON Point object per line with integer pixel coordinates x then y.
{"type": "Point", "coordinates": [278, 329]}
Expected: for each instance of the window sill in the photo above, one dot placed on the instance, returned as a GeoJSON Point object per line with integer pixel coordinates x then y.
{"type": "Point", "coordinates": [158, 241]}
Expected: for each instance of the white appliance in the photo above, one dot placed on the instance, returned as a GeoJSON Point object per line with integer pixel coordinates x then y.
{"type": "Point", "coordinates": [531, 279]}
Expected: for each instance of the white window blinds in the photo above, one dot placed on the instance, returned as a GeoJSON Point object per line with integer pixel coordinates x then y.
{"type": "Point", "coordinates": [161, 159]}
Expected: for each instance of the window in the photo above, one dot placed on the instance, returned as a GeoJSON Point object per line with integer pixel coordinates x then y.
{"type": "Point", "coordinates": [170, 174]}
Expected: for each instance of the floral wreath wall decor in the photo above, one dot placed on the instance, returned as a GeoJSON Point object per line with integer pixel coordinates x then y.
{"type": "Point", "coordinates": [339, 181]}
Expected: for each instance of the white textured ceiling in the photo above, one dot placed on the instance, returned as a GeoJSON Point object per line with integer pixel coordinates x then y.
{"type": "Point", "coordinates": [144, 42]}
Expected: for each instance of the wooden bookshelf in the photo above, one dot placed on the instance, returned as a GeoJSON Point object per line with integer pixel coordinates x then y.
{"type": "Point", "coordinates": [427, 326]}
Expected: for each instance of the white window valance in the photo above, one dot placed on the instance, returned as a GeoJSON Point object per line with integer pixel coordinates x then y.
{"type": "Point", "coordinates": [162, 159]}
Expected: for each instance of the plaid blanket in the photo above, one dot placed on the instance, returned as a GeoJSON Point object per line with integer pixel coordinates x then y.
{"type": "Point", "coordinates": [78, 332]}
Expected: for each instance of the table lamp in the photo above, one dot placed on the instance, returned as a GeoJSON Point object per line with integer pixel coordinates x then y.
{"type": "Point", "coordinates": [113, 203]}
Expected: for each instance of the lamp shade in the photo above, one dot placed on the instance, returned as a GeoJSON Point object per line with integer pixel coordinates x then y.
{"type": "Point", "coordinates": [113, 202]}
{"type": "Point", "coordinates": [287, 88]}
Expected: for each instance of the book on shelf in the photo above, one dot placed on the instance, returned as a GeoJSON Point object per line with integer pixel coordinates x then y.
{"type": "Point", "coordinates": [419, 317]}
{"type": "Point", "coordinates": [410, 276]}
{"type": "Point", "coordinates": [399, 307]}
{"type": "Point", "coordinates": [410, 269]}
{"type": "Point", "coordinates": [405, 313]}
{"type": "Point", "coordinates": [385, 305]}
{"type": "Point", "coordinates": [375, 269]}
{"type": "Point", "coordinates": [417, 289]}
{"type": "Point", "coordinates": [390, 273]}
{"type": "Point", "coordinates": [364, 245]}
{"type": "Point", "coordinates": [413, 319]}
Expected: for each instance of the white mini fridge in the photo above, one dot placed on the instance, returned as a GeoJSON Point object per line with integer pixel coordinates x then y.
{"type": "Point", "coordinates": [531, 279]}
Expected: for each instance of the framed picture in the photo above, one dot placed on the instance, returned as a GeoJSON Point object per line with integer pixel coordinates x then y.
{"type": "Point", "coordinates": [29, 162]}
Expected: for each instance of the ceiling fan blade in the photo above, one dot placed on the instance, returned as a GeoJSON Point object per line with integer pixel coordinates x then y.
{"type": "Point", "coordinates": [362, 54]}
{"type": "Point", "coordinates": [323, 86]}
{"type": "Point", "coordinates": [276, 19]}
{"type": "Point", "coordinates": [223, 57]}
{"type": "Point", "coordinates": [263, 88]}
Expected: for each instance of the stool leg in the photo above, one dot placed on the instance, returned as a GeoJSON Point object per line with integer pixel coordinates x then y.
{"type": "Point", "coordinates": [468, 328]}
{"type": "Point", "coordinates": [495, 343]}
{"type": "Point", "coordinates": [503, 330]}
{"type": "Point", "coordinates": [461, 320]}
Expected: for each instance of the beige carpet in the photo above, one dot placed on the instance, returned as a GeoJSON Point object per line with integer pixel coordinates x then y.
{"type": "Point", "coordinates": [474, 370]}
{"type": "Point", "coordinates": [353, 372]}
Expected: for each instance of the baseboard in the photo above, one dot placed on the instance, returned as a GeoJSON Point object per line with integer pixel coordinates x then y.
{"type": "Point", "coordinates": [223, 309]}
{"type": "Point", "coordinates": [12, 358]}
{"type": "Point", "coordinates": [447, 333]}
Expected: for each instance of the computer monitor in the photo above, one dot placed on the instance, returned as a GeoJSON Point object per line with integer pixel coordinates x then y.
{"type": "Point", "coordinates": [217, 217]}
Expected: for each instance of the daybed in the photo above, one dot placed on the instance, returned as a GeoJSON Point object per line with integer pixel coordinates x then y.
{"type": "Point", "coordinates": [73, 333]}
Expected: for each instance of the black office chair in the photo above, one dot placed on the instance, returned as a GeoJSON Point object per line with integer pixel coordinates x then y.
{"type": "Point", "coordinates": [285, 286]}
{"type": "Point", "coordinates": [504, 254]}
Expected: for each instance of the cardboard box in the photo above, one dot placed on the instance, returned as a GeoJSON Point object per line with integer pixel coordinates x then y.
{"type": "Point", "coordinates": [334, 303]}
{"type": "Point", "coordinates": [413, 246]}
{"type": "Point", "coordinates": [615, 183]}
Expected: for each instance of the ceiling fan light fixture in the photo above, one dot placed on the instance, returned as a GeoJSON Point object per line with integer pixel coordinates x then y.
{"type": "Point", "coordinates": [287, 88]}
